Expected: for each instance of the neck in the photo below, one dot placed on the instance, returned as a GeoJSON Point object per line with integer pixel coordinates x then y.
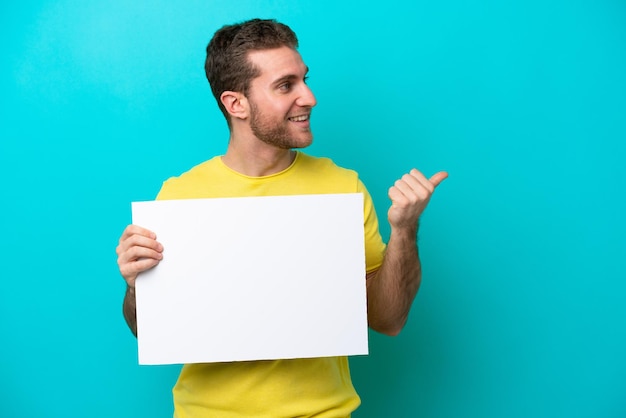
{"type": "Point", "coordinates": [256, 159]}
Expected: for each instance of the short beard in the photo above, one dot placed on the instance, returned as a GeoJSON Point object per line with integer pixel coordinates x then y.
{"type": "Point", "coordinates": [270, 133]}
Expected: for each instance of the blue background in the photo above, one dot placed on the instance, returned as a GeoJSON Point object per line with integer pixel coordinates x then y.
{"type": "Point", "coordinates": [521, 312]}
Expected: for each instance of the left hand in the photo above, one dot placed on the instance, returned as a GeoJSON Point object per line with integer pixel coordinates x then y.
{"type": "Point", "coordinates": [409, 196]}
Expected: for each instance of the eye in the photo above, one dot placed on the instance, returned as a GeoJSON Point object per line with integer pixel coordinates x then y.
{"type": "Point", "coordinates": [286, 86]}
{"type": "Point", "coordinates": [306, 78]}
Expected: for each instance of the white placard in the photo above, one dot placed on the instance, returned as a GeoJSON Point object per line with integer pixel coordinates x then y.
{"type": "Point", "coordinates": [253, 278]}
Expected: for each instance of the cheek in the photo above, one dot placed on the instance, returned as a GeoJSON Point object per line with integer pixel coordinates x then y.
{"type": "Point", "coordinates": [276, 108]}
{"type": "Point", "coordinates": [279, 106]}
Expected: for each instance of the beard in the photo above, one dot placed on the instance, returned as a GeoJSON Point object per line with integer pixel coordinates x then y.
{"type": "Point", "coordinates": [276, 132]}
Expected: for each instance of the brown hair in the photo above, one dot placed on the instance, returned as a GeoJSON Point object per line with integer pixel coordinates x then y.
{"type": "Point", "coordinates": [227, 67]}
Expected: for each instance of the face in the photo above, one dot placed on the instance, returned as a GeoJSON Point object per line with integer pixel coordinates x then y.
{"type": "Point", "coordinates": [280, 101]}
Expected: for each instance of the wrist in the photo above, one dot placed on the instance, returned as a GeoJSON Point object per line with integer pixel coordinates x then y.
{"type": "Point", "coordinates": [405, 232]}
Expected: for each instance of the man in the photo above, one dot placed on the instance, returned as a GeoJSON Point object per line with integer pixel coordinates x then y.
{"type": "Point", "coordinates": [259, 80]}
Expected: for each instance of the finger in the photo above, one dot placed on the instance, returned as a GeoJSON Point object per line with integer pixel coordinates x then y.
{"type": "Point", "coordinates": [397, 197]}
{"type": "Point", "coordinates": [135, 253]}
{"type": "Point", "coordinates": [131, 270]}
{"type": "Point", "coordinates": [142, 241]}
{"type": "Point", "coordinates": [137, 230]}
{"type": "Point", "coordinates": [136, 260]}
{"type": "Point", "coordinates": [415, 184]}
{"type": "Point", "coordinates": [411, 188]}
{"type": "Point", "coordinates": [419, 183]}
{"type": "Point", "coordinates": [415, 173]}
{"type": "Point", "coordinates": [145, 264]}
{"type": "Point", "coordinates": [138, 241]}
{"type": "Point", "coordinates": [403, 195]}
{"type": "Point", "coordinates": [437, 178]}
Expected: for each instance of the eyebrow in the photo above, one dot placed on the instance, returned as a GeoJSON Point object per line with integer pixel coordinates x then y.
{"type": "Point", "coordinates": [289, 77]}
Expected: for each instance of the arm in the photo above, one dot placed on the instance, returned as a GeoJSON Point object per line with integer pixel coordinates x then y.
{"type": "Point", "coordinates": [392, 288]}
{"type": "Point", "coordinates": [137, 251]}
{"type": "Point", "coordinates": [129, 309]}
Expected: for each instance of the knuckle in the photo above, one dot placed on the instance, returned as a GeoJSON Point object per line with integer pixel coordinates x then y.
{"type": "Point", "coordinates": [402, 202]}
{"type": "Point", "coordinates": [414, 199]}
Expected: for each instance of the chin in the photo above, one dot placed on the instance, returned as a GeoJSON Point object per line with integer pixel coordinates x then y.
{"type": "Point", "coordinates": [302, 144]}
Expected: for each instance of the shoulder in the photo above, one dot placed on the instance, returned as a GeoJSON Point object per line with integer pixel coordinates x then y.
{"type": "Point", "coordinates": [178, 187]}
{"type": "Point", "coordinates": [323, 165]}
{"type": "Point", "coordinates": [322, 175]}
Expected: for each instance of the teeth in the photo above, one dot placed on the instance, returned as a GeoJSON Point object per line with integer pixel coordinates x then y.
{"type": "Point", "coordinates": [301, 118]}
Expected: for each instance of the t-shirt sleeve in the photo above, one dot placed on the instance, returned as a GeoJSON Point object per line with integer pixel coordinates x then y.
{"type": "Point", "coordinates": [169, 190]}
{"type": "Point", "coordinates": [374, 245]}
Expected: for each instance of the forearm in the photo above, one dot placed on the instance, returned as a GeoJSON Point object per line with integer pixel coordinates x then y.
{"type": "Point", "coordinates": [392, 289]}
{"type": "Point", "coordinates": [130, 309]}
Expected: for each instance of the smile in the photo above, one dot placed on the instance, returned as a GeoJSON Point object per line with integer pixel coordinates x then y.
{"type": "Point", "coordinates": [300, 118]}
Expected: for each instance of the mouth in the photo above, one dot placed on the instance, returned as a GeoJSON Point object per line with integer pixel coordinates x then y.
{"type": "Point", "coordinates": [299, 118]}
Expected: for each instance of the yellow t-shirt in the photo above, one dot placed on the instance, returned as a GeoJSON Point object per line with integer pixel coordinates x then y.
{"type": "Point", "coordinates": [315, 387]}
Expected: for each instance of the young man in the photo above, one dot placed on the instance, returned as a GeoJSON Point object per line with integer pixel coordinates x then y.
{"type": "Point", "coordinates": [259, 80]}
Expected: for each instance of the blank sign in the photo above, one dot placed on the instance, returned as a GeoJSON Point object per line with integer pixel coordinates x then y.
{"type": "Point", "coordinates": [253, 278]}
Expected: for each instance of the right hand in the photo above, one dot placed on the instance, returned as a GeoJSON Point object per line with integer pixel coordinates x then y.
{"type": "Point", "coordinates": [138, 251]}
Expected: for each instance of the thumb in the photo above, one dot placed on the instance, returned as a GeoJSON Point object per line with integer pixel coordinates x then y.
{"type": "Point", "coordinates": [437, 178]}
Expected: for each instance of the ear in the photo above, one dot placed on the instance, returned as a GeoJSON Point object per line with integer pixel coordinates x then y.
{"type": "Point", "coordinates": [235, 103]}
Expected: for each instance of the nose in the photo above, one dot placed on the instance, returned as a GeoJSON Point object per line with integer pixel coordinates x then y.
{"type": "Point", "coordinates": [306, 98]}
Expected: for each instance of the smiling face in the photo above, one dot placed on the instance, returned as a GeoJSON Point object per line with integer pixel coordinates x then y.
{"type": "Point", "coordinates": [280, 101]}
